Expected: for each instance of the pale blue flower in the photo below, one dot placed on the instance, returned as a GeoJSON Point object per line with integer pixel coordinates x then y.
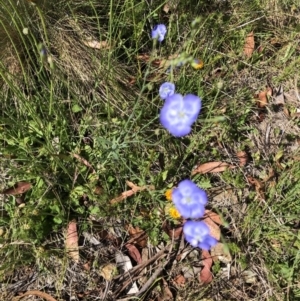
{"type": "Point", "coordinates": [158, 32]}
{"type": "Point", "coordinates": [189, 199]}
{"type": "Point", "coordinates": [179, 113]}
{"type": "Point", "coordinates": [197, 234]}
{"type": "Point", "coordinates": [166, 89]}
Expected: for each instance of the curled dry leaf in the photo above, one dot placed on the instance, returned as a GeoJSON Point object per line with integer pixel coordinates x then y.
{"type": "Point", "coordinates": [138, 236]}
{"type": "Point", "coordinates": [262, 97]}
{"type": "Point", "coordinates": [259, 186]}
{"type": "Point", "coordinates": [172, 232]}
{"type": "Point", "coordinates": [19, 188]}
{"type": "Point", "coordinates": [220, 252]}
{"type": "Point", "coordinates": [213, 216]}
{"type": "Point", "coordinates": [249, 45]}
{"type": "Point", "coordinates": [72, 241]}
{"type": "Point", "coordinates": [134, 253]}
{"type": "Point", "coordinates": [128, 193]}
{"type": "Point", "coordinates": [35, 293]}
{"type": "Point", "coordinates": [179, 280]}
{"type": "Point", "coordinates": [108, 271]}
{"type": "Point", "coordinates": [205, 276]}
{"type": "Point", "coordinates": [212, 167]}
{"type": "Point", "coordinates": [243, 158]}
{"type": "Point", "coordinates": [213, 221]}
{"type": "Point", "coordinates": [96, 44]}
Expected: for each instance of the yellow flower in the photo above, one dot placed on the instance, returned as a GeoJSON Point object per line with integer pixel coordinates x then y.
{"type": "Point", "coordinates": [174, 213]}
{"type": "Point", "coordinates": [168, 194]}
{"type": "Point", "coordinates": [197, 64]}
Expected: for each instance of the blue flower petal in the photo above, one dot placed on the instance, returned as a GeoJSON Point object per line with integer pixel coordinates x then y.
{"type": "Point", "coordinates": [158, 32]}
{"type": "Point", "coordinates": [179, 113]}
{"type": "Point", "coordinates": [189, 199]}
{"type": "Point", "coordinates": [166, 89]}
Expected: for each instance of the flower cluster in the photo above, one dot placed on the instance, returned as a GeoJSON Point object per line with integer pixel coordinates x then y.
{"type": "Point", "coordinates": [178, 115]}
{"type": "Point", "coordinates": [190, 201]}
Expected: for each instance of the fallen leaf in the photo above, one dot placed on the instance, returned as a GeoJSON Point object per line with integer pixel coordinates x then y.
{"type": "Point", "coordinates": [249, 276]}
{"type": "Point", "coordinates": [243, 158]}
{"type": "Point", "coordinates": [83, 161]}
{"type": "Point", "coordinates": [35, 293]}
{"type": "Point", "coordinates": [167, 294]}
{"type": "Point", "coordinates": [128, 193]}
{"type": "Point", "coordinates": [134, 253]}
{"type": "Point", "coordinates": [179, 280]}
{"type": "Point", "coordinates": [108, 271]}
{"type": "Point", "coordinates": [215, 230]}
{"type": "Point", "coordinates": [220, 252]}
{"type": "Point", "coordinates": [212, 167]}
{"type": "Point", "coordinates": [172, 232]}
{"type": "Point", "coordinates": [259, 186]}
{"type": "Point", "coordinates": [97, 45]}
{"type": "Point", "coordinates": [249, 45]}
{"type": "Point", "coordinates": [19, 188]}
{"type": "Point", "coordinates": [205, 276]}
{"type": "Point", "coordinates": [213, 216]}
{"type": "Point", "coordinates": [138, 236]}
{"type": "Point", "coordinates": [262, 99]}
{"type": "Point", "coordinates": [72, 241]}
{"type": "Point", "coordinates": [166, 8]}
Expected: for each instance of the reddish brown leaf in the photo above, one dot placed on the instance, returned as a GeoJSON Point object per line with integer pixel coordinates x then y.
{"type": "Point", "coordinates": [134, 253]}
{"type": "Point", "coordinates": [128, 193]}
{"type": "Point", "coordinates": [205, 276]}
{"type": "Point", "coordinates": [19, 188]}
{"type": "Point", "coordinates": [172, 232]}
{"type": "Point", "coordinates": [138, 236]}
{"type": "Point", "coordinates": [71, 242]}
{"type": "Point", "coordinates": [35, 293]}
{"type": "Point", "coordinates": [179, 280]}
{"type": "Point", "coordinates": [213, 216]}
{"type": "Point", "coordinates": [215, 230]}
{"type": "Point", "coordinates": [212, 167]}
{"type": "Point", "coordinates": [249, 45]}
{"type": "Point", "coordinates": [259, 186]}
{"type": "Point", "coordinates": [243, 158]}
{"type": "Point", "coordinates": [262, 99]}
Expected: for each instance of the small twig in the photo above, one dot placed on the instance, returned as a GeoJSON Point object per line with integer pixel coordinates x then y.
{"type": "Point", "coordinates": [156, 273]}
{"type": "Point", "coordinates": [84, 161]}
{"type": "Point", "coordinates": [35, 293]}
{"type": "Point", "coordinates": [138, 268]}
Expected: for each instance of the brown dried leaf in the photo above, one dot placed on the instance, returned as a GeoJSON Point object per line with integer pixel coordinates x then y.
{"type": "Point", "coordinates": [72, 241]}
{"type": "Point", "coordinates": [249, 45]}
{"type": "Point", "coordinates": [262, 99]}
{"type": "Point", "coordinates": [220, 252]}
{"type": "Point", "coordinates": [128, 193]}
{"type": "Point", "coordinates": [138, 236]}
{"type": "Point", "coordinates": [179, 280]}
{"type": "Point", "coordinates": [212, 167]}
{"type": "Point", "coordinates": [96, 44]}
{"type": "Point", "coordinates": [35, 293]}
{"type": "Point", "coordinates": [172, 232]}
{"type": "Point", "coordinates": [108, 271]}
{"type": "Point", "coordinates": [205, 276]}
{"type": "Point", "coordinates": [243, 157]}
{"type": "Point", "coordinates": [19, 188]}
{"type": "Point", "coordinates": [259, 186]}
{"type": "Point", "coordinates": [134, 253]}
{"type": "Point", "coordinates": [213, 216]}
{"type": "Point", "coordinates": [215, 230]}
